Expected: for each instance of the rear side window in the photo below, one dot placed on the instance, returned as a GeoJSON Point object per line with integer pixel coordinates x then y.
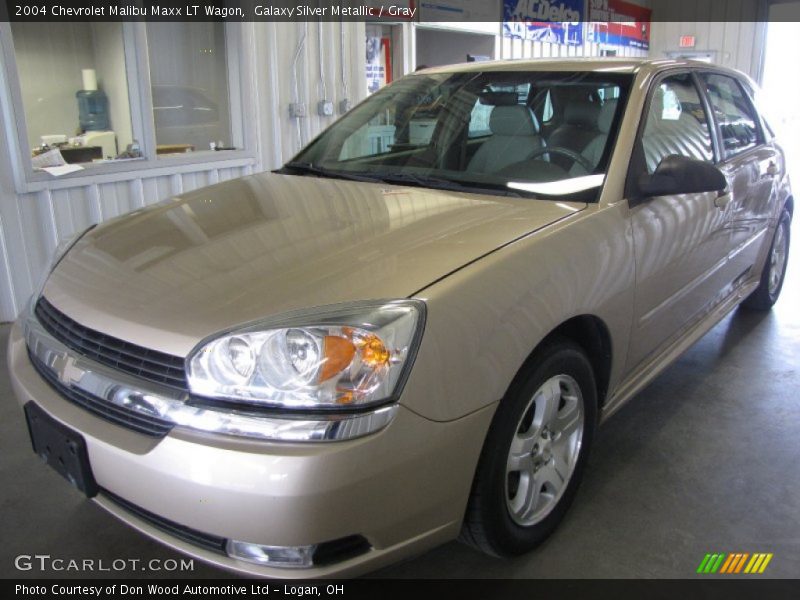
{"type": "Point", "coordinates": [734, 113]}
{"type": "Point", "coordinates": [756, 96]}
{"type": "Point", "coordinates": [676, 123]}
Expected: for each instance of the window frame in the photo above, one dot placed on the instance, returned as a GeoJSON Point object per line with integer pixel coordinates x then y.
{"type": "Point", "coordinates": [239, 40]}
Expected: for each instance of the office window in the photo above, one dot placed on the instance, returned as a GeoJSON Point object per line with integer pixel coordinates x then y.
{"type": "Point", "coordinates": [190, 87]}
{"type": "Point", "coordinates": [74, 88]}
{"type": "Point", "coordinates": [108, 98]}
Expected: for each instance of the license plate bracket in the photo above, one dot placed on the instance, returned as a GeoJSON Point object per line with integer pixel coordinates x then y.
{"type": "Point", "coordinates": [61, 448]}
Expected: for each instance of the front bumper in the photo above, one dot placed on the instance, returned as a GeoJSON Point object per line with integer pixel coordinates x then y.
{"type": "Point", "coordinates": [404, 489]}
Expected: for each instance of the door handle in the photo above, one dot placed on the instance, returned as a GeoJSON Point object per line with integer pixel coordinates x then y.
{"type": "Point", "coordinates": [772, 169]}
{"type": "Point", "coordinates": [722, 200]}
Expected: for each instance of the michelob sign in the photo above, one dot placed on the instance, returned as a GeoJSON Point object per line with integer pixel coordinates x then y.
{"type": "Point", "coordinates": [553, 21]}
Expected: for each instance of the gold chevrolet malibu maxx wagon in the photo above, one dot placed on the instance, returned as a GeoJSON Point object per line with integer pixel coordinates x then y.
{"type": "Point", "coordinates": [411, 330]}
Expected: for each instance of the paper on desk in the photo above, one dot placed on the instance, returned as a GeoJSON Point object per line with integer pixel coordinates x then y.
{"type": "Point", "coordinates": [52, 162]}
{"type": "Point", "coordinates": [62, 169]}
{"type": "Point", "coordinates": [51, 158]}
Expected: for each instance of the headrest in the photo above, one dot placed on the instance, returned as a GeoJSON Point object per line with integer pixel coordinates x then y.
{"type": "Point", "coordinates": [499, 98]}
{"type": "Point", "coordinates": [513, 120]}
{"type": "Point", "coordinates": [607, 112]}
{"type": "Point", "coordinates": [582, 113]}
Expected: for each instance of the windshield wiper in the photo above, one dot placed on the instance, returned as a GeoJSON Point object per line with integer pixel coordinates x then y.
{"type": "Point", "coordinates": [412, 179]}
{"type": "Point", "coordinates": [448, 184]}
{"type": "Point", "coordinates": [311, 169]}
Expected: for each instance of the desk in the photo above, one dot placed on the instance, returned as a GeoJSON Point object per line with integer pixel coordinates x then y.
{"type": "Point", "coordinates": [81, 154]}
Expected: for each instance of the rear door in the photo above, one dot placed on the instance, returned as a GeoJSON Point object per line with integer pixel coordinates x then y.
{"type": "Point", "coordinates": [751, 166]}
{"type": "Point", "coordinates": [682, 241]}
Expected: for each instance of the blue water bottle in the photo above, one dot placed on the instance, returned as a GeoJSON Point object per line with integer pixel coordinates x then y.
{"type": "Point", "coordinates": [92, 110]}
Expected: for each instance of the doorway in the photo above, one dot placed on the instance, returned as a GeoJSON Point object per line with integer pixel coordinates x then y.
{"type": "Point", "coordinates": [780, 94]}
{"type": "Point", "coordinates": [780, 85]}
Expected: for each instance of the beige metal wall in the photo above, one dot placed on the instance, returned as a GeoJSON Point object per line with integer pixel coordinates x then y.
{"type": "Point", "coordinates": [738, 41]}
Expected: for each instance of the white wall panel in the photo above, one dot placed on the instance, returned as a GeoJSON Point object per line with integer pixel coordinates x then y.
{"type": "Point", "coordinates": [525, 49]}
{"type": "Point", "coordinates": [8, 304]}
{"type": "Point", "coordinates": [193, 181]}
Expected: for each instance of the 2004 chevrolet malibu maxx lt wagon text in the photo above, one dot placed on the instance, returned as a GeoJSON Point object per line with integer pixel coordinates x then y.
{"type": "Point", "coordinates": [410, 331]}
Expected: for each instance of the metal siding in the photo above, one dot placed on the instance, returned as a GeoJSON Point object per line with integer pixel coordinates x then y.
{"type": "Point", "coordinates": [8, 301]}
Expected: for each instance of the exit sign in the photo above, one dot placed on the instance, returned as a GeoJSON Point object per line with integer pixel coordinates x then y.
{"type": "Point", "coordinates": [687, 41]}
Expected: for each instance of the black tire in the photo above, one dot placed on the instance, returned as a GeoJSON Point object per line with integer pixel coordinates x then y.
{"type": "Point", "coordinates": [489, 525]}
{"type": "Point", "coordinates": [762, 298]}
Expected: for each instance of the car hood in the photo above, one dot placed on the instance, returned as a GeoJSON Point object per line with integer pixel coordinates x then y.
{"type": "Point", "coordinates": [170, 275]}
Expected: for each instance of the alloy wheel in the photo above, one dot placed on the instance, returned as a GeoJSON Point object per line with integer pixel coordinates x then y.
{"type": "Point", "coordinates": [777, 259]}
{"type": "Point", "coordinates": [544, 450]}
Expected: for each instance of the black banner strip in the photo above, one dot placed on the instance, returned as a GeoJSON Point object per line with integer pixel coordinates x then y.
{"type": "Point", "coordinates": [371, 589]}
{"type": "Point", "coordinates": [416, 11]}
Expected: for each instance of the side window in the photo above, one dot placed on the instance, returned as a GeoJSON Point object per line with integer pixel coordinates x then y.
{"type": "Point", "coordinates": [759, 102]}
{"type": "Point", "coordinates": [676, 123]}
{"type": "Point", "coordinates": [733, 112]}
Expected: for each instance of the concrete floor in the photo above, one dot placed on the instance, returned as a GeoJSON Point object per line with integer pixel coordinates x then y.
{"type": "Point", "coordinates": [704, 460]}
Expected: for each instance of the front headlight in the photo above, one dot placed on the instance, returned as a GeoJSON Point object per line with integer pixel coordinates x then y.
{"type": "Point", "coordinates": [333, 357]}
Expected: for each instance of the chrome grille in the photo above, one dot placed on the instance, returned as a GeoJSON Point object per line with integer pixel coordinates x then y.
{"type": "Point", "coordinates": [137, 422]}
{"type": "Point", "coordinates": [159, 367]}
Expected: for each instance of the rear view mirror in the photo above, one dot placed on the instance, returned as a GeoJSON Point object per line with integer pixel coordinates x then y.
{"type": "Point", "coordinates": [677, 174]}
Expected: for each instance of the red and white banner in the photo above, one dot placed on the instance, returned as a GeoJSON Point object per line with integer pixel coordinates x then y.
{"type": "Point", "coordinates": [619, 23]}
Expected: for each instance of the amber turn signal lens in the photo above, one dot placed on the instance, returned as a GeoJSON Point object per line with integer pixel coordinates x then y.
{"type": "Point", "coordinates": [373, 352]}
{"type": "Point", "coordinates": [338, 353]}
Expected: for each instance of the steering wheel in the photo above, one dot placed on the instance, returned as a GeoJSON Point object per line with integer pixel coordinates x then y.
{"type": "Point", "coordinates": [571, 154]}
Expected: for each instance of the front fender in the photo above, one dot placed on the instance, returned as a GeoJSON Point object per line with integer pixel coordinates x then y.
{"type": "Point", "coordinates": [485, 319]}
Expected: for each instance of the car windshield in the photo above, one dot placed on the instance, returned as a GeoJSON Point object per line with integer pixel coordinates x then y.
{"type": "Point", "coordinates": [532, 134]}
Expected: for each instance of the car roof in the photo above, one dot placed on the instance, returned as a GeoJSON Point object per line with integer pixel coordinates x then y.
{"type": "Point", "coordinates": [616, 65]}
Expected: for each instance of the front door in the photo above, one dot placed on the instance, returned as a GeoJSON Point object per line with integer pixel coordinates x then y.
{"type": "Point", "coordinates": [681, 242]}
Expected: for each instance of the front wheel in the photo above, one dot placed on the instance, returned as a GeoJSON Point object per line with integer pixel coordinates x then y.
{"type": "Point", "coordinates": [769, 288]}
{"type": "Point", "coordinates": [534, 454]}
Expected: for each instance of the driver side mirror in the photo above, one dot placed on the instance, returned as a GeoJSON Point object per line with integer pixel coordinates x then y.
{"type": "Point", "coordinates": [677, 174]}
